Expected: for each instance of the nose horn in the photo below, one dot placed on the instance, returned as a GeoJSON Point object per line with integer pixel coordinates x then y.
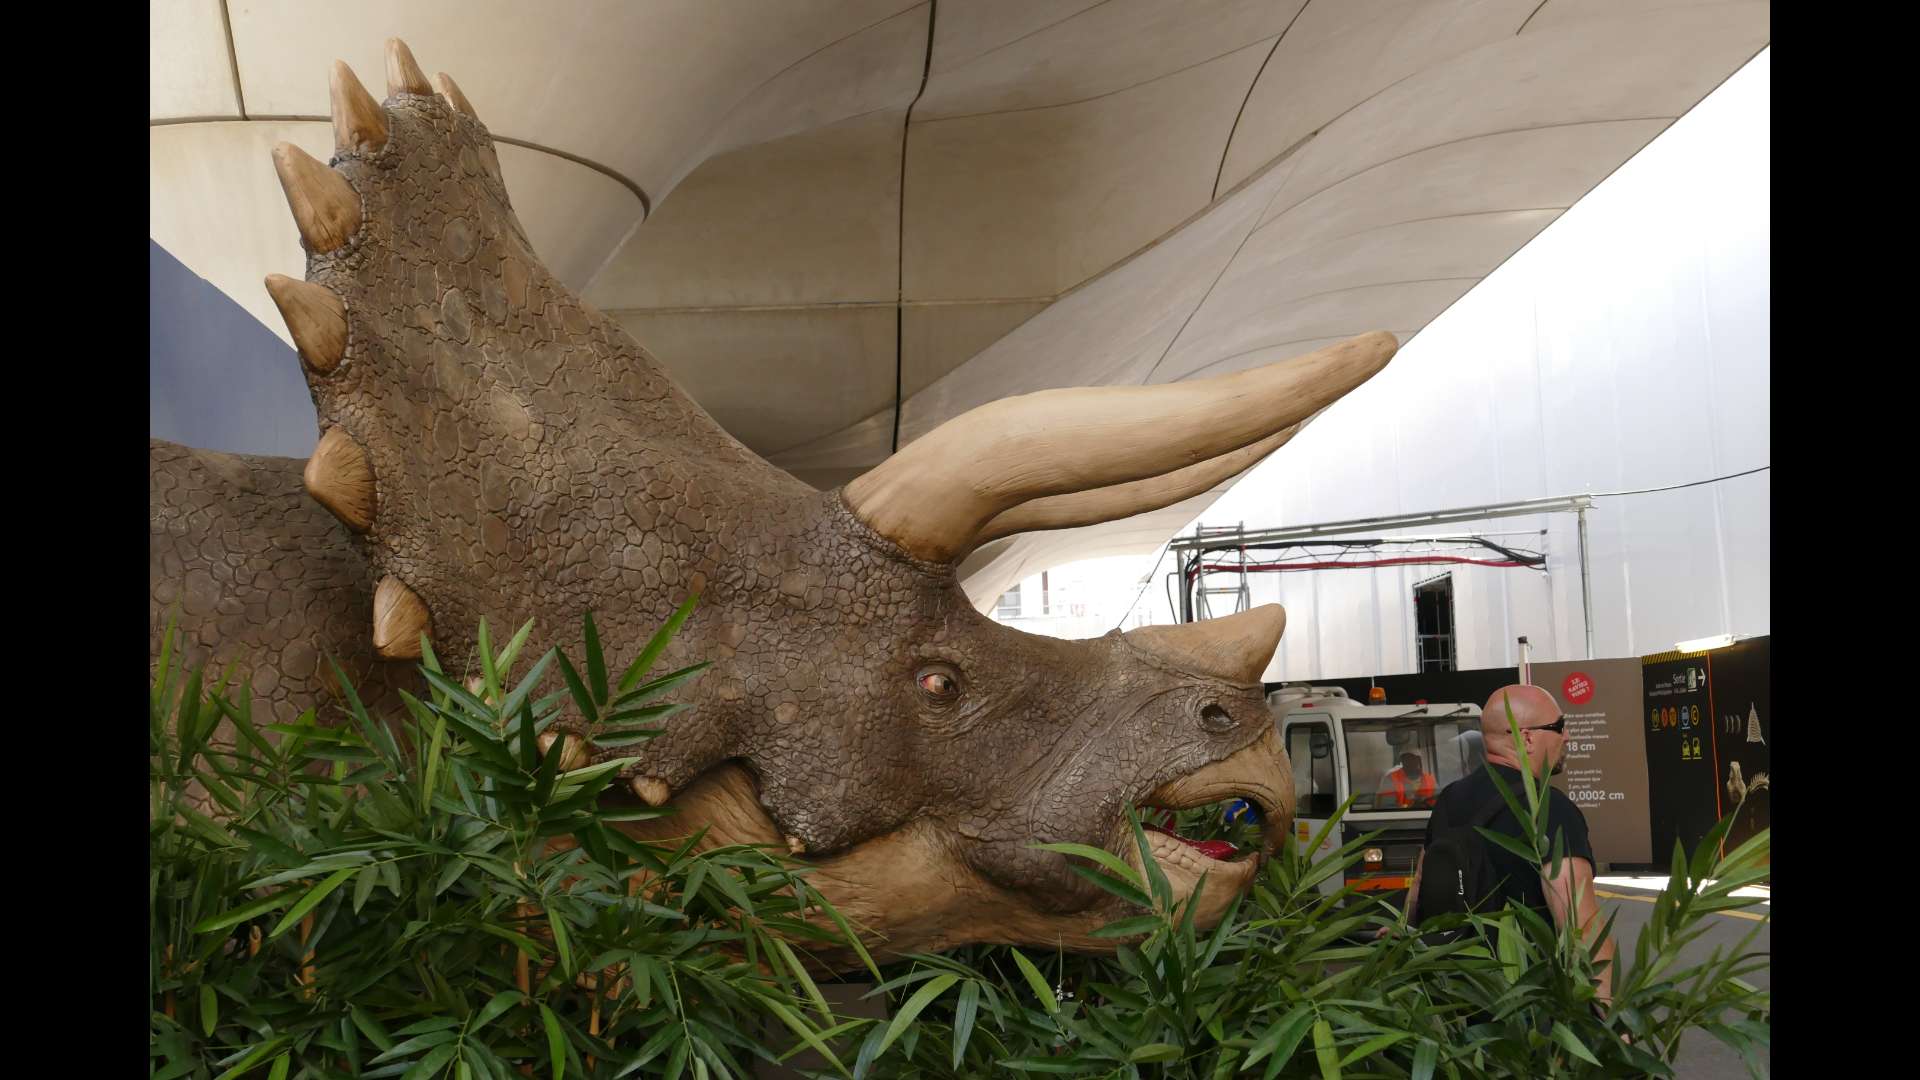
{"type": "Point", "coordinates": [1237, 647]}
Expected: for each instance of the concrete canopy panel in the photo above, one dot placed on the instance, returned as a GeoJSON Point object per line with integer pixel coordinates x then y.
{"type": "Point", "coordinates": [215, 204]}
{"type": "Point", "coordinates": [188, 72]}
{"type": "Point", "coordinates": [1027, 204]}
{"type": "Point", "coordinates": [776, 378]}
{"type": "Point", "coordinates": [1337, 55]}
{"type": "Point", "coordinates": [936, 338]}
{"type": "Point", "coordinates": [1110, 332]}
{"type": "Point", "coordinates": [1097, 51]}
{"type": "Point", "coordinates": [1254, 299]}
{"type": "Point", "coordinates": [808, 219]}
{"type": "Point", "coordinates": [964, 31]}
{"type": "Point", "coordinates": [1569, 76]}
{"type": "Point", "coordinates": [845, 453]}
{"type": "Point", "coordinates": [1535, 169]}
{"type": "Point", "coordinates": [876, 69]}
{"type": "Point", "coordinates": [547, 75]}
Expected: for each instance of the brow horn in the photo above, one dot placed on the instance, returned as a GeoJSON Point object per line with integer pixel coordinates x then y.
{"type": "Point", "coordinates": [935, 497]}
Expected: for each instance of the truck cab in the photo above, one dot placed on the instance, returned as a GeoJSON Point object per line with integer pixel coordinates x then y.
{"type": "Point", "coordinates": [1392, 760]}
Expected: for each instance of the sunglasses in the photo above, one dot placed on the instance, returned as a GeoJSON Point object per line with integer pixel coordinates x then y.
{"type": "Point", "coordinates": [1558, 727]}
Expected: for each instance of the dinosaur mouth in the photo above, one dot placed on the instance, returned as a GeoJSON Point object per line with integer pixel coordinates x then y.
{"type": "Point", "coordinates": [1246, 797]}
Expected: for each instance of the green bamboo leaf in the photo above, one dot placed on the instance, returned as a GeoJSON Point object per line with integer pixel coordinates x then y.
{"type": "Point", "coordinates": [1154, 1052]}
{"type": "Point", "coordinates": [557, 1042]}
{"type": "Point", "coordinates": [209, 1008]}
{"type": "Point", "coordinates": [914, 1006]}
{"type": "Point", "coordinates": [963, 1015]}
{"type": "Point", "coordinates": [370, 1027]}
{"type": "Point", "coordinates": [280, 1066]}
{"type": "Point", "coordinates": [1323, 1049]}
{"type": "Point", "coordinates": [1144, 924]}
{"type": "Point", "coordinates": [242, 914]}
{"type": "Point", "coordinates": [1162, 891]}
{"type": "Point", "coordinates": [801, 1028]}
{"type": "Point", "coordinates": [799, 972]}
{"type": "Point", "coordinates": [489, 676]}
{"type": "Point", "coordinates": [270, 846]}
{"type": "Point", "coordinates": [1046, 1065]}
{"type": "Point", "coordinates": [1114, 885]}
{"type": "Point", "coordinates": [560, 942]}
{"type": "Point", "coordinates": [1524, 851]}
{"type": "Point", "coordinates": [312, 899]}
{"type": "Point", "coordinates": [657, 645]}
{"type": "Point", "coordinates": [640, 715]}
{"type": "Point", "coordinates": [1100, 855]}
{"type": "Point", "coordinates": [614, 742]}
{"type": "Point", "coordinates": [1035, 980]}
{"type": "Point", "coordinates": [596, 662]}
{"type": "Point", "coordinates": [1425, 1056]}
{"type": "Point", "coordinates": [430, 783]}
{"type": "Point", "coordinates": [1373, 1046]}
{"type": "Point", "coordinates": [847, 935]}
{"type": "Point", "coordinates": [1281, 1039]}
{"type": "Point", "coordinates": [1507, 946]}
{"type": "Point", "coordinates": [577, 689]}
{"type": "Point", "coordinates": [254, 1057]}
{"type": "Point", "coordinates": [499, 1003]}
{"type": "Point", "coordinates": [504, 663]}
{"type": "Point", "coordinates": [1564, 1035]}
{"type": "Point", "coordinates": [363, 882]}
{"type": "Point", "coordinates": [433, 1062]}
{"type": "Point", "coordinates": [662, 684]}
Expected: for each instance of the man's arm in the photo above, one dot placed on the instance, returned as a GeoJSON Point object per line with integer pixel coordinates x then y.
{"type": "Point", "coordinates": [1572, 891]}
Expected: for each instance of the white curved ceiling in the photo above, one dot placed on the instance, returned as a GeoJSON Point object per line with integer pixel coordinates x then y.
{"type": "Point", "coordinates": [802, 207]}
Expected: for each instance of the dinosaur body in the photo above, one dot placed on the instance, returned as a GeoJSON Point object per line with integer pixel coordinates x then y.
{"type": "Point", "coordinates": [492, 447]}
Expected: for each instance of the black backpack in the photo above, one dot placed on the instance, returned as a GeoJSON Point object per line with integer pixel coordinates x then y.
{"type": "Point", "coordinates": [1458, 875]}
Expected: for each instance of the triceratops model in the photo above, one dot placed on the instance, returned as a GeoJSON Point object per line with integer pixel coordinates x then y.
{"type": "Point", "coordinates": [492, 446]}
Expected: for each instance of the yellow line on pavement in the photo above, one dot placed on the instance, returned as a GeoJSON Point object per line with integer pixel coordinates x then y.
{"type": "Point", "coordinates": [1650, 899]}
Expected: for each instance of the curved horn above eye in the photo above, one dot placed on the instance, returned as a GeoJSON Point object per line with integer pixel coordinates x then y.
{"type": "Point", "coordinates": [1236, 647]}
{"type": "Point", "coordinates": [1125, 500]}
{"type": "Point", "coordinates": [935, 497]}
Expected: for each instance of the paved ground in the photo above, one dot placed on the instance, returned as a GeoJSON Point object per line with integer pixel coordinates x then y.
{"type": "Point", "coordinates": [1702, 1057]}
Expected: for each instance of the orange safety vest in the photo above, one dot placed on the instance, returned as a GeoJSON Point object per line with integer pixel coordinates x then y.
{"type": "Point", "coordinates": [1399, 777]}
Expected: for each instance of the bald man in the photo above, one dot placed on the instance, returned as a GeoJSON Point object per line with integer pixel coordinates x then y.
{"type": "Point", "coordinates": [1542, 750]}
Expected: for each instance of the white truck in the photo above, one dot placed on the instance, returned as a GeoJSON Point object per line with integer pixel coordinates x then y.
{"type": "Point", "coordinates": [1391, 759]}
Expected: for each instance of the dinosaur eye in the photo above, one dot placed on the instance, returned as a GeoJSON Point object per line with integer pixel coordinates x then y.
{"type": "Point", "coordinates": [942, 684]}
{"type": "Point", "coordinates": [1216, 719]}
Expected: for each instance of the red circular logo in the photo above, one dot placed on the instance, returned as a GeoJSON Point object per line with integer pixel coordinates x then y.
{"type": "Point", "coordinates": [1578, 688]}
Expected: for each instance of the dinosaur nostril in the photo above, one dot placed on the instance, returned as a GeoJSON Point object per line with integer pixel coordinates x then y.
{"type": "Point", "coordinates": [1216, 719]}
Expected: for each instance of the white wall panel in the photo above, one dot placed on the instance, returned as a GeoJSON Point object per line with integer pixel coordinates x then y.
{"type": "Point", "coordinates": [1627, 347]}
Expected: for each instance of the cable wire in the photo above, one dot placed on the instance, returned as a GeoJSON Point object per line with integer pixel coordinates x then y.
{"type": "Point", "coordinates": [1676, 487]}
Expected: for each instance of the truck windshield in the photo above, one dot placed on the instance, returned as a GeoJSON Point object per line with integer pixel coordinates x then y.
{"type": "Point", "coordinates": [1403, 764]}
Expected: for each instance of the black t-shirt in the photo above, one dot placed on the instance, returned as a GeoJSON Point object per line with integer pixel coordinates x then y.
{"type": "Point", "coordinates": [1463, 800]}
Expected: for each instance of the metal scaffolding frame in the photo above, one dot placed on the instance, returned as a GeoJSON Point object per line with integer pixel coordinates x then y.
{"type": "Point", "coordinates": [1188, 550]}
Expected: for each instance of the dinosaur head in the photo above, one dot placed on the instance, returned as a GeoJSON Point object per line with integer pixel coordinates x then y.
{"type": "Point", "coordinates": [502, 450]}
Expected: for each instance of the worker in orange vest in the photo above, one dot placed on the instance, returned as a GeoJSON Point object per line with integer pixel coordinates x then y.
{"type": "Point", "coordinates": [1393, 786]}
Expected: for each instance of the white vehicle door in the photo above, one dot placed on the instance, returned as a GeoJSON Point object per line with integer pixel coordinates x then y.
{"type": "Point", "coordinates": [1311, 747]}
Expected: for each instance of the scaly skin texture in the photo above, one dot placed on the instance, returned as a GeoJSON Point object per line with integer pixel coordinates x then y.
{"type": "Point", "coordinates": [531, 461]}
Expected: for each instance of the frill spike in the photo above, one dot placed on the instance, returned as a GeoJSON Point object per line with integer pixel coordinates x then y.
{"type": "Point", "coordinates": [324, 205]}
{"type": "Point", "coordinates": [340, 479]}
{"type": "Point", "coordinates": [403, 72]}
{"type": "Point", "coordinates": [451, 91]}
{"type": "Point", "coordinates": [315, 316]}
{"type": "Point", "coordinates": [399, 618]}
{"type": "Point", "coordinates": [359, 123]}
